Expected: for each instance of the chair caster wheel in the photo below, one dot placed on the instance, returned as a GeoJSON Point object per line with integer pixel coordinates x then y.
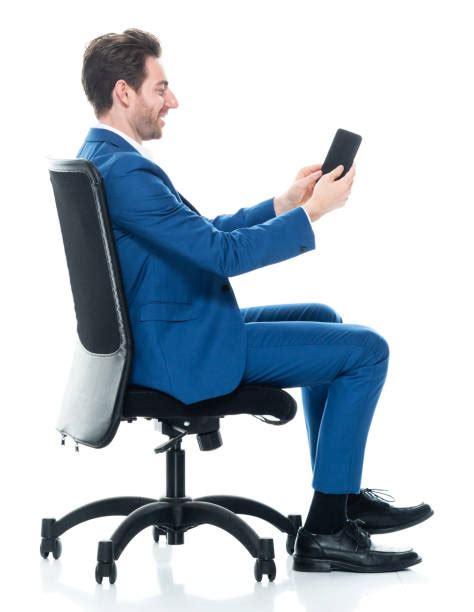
{"type": "Point", "coordinates": [290, 544]}
{"type": "Point", "coordinates": [157, 531]}
{"type": "Point", "coordinates": [264, 566]}
{"type": "Point", "coordinates": [106, 569]}
{"type": "Point", "coordinates": [105, 562]}
{"type": "Point", "coordinates": [50, 545]}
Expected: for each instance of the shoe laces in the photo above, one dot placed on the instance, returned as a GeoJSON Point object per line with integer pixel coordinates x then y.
{"type": "Point", "coordinates": [372, 495]}
{"type": "Point", "coordinates": [355, 530]}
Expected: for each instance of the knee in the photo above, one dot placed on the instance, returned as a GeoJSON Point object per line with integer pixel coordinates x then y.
{"type": "Point", "coordinates": [378, 345]}
{"type": "Point", "coordinates": [326, 314]}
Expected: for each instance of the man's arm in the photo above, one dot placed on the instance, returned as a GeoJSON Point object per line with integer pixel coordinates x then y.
{"type": "Point", "coordinates": [142, 204]}
{"type": "Point", "coordinates": [245, 217]}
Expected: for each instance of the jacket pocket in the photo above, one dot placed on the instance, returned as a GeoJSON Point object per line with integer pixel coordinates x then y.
{"type": "Point", "coordinates": [167, 311]}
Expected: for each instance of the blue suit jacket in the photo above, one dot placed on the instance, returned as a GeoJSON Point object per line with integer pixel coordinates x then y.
{"type": "Point", "coordinates": [188, 330]}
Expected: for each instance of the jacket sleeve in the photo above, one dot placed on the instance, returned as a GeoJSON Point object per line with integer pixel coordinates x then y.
{"type": "Point", "coordinates": [245, 217]}
{"type": "Point", "coordinates": [141, 204]}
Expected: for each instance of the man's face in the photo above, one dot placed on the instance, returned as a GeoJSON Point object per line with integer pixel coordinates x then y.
{"type": "Point", "coordinates": [152, 102]}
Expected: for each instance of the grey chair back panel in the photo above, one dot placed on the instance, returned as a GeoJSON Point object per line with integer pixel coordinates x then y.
{"type": "Point", "coordinates": [90, 395]}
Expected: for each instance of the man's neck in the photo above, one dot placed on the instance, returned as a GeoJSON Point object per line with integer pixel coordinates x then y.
{"type": "Point", "coordinates": [134, 143]}
{"type": "Point", "coordinates": [122, 126]}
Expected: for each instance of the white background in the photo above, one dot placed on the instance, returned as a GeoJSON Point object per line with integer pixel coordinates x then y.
{"type": "Point", "coordinates": [262, 87]}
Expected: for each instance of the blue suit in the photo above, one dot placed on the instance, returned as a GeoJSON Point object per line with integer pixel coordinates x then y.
{"type": "Point", "coordinates": [189, 333]}
{"type": "Point", "coordinates": [194, 342]}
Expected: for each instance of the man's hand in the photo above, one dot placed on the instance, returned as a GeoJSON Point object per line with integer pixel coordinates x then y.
{"type": "Point", "coordinates": [300, 191]}
{"type": "Point", "coordinates": [330, 192]}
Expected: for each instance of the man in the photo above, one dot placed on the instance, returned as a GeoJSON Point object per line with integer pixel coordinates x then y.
{"type": "Point", "coordinates": [191, 339]}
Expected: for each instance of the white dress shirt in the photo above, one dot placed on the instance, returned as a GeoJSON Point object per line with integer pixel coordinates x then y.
{"type": "Point", "coordinates": [147, 153]}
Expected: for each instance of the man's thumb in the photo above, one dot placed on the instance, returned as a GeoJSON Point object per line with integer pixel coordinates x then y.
{"type": "Point", "coordinates": [338, 171]}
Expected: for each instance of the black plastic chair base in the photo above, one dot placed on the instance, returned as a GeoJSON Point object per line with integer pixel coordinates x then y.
{"type": "Point", "coordinates": [171, 516]}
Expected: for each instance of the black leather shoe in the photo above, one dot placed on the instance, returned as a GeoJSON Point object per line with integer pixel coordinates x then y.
{"type": "Point", "coordinates": [380, 517]}
{"type": "Point", "coordinates": [349, 549]}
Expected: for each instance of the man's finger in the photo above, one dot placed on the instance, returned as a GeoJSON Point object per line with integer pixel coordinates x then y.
{"type": "Point", "coordinates": [313, 168]}
{"type": "Point", "coordinates": [338, 170]}
{"type": "Point", "coordinates": [350, 174]}
{"type": "Point", "coordinates": [311, 177]}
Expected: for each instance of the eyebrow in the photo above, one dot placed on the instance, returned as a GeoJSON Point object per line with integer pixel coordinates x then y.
{"type": "Point", "coordinates": [162, 83]}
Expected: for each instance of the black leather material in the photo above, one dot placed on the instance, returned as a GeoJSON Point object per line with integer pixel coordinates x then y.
{"type": "Point", "coordinates": [349, 549]}
{"type": "Point", "coordinates": [246, 399]}
{"type": "Point", "coordinates": [381, 517]}
{"type": "Point", "coordinates": [97, 324]}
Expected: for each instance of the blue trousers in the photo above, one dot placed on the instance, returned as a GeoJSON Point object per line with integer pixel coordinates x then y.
{"type": "Point", "coordinates": [341, 369]}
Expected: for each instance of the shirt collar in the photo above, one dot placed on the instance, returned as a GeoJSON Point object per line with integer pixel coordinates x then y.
{"type": "Point", "coordinates": [140, 148]}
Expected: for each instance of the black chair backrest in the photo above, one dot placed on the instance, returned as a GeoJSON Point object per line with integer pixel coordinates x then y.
{"type": "Point", "coordinates": [92, 402]}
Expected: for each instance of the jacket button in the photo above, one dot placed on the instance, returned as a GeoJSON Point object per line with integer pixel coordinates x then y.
{"type": "Point", "coordinates": [226, 287]}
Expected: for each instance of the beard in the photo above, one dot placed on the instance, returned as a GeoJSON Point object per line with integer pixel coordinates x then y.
{"type": "Point", "coordinates": [149, 124]}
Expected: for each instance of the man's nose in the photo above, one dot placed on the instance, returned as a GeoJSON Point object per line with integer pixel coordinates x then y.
{"type": "Point", "coordinates": [172, 102]}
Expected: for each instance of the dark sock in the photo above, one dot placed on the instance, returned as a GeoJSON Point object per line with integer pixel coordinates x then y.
{"type": "Point", "coordinates": [327, 513]}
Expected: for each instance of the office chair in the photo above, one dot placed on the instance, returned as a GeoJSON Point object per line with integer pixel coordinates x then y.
{"type": "Point", "coordinates": [98, 398]}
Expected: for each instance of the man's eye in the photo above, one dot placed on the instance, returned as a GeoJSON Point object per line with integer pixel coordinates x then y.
{"type": "Point", "coordinates": [162, 93]}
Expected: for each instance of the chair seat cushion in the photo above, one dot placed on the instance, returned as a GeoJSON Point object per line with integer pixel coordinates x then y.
{"type": "Point", "coordinates": [246, 399]}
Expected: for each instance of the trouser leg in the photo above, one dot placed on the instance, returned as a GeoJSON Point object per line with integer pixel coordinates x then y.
{"type": "Point", "coordinates": [341, 369]}
{"type": "Point", "coordinates": [313, 397]}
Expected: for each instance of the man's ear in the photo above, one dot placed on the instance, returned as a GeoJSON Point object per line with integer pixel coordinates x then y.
{"type": "Point", "coordinates": [121, 92]}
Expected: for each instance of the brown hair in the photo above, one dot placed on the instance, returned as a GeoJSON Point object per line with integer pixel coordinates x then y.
{"type": "Point", "coordinates": [111, 57]}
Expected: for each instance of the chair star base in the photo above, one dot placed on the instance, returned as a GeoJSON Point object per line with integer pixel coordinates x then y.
{"type": "Point", "coordinates": [171, 516]}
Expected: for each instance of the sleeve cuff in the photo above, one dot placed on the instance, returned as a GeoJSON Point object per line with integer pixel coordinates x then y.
{"type": "Point", "coordinates": [309, 218]}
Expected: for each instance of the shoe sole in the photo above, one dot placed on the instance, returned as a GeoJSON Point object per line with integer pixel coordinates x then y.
{"type": "Point", "coordinates": [376, 530]}
{"type": "Point", "coordinates": [306, 564]}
